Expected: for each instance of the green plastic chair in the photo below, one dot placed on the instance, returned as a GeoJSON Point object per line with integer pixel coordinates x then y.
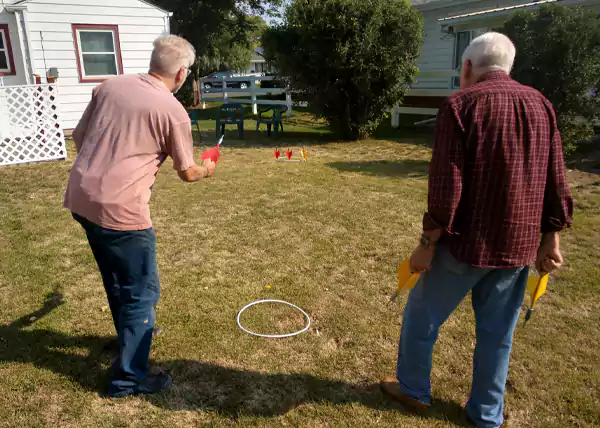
{"type": "Point", "coordinates": [193, 114]}
{"type": "Point", "coordinates": [230, 114]}
{"type": "Point", "coordinates": [275, 121]}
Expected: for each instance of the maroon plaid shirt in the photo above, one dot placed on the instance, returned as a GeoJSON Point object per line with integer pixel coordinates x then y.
{"type": "Point", "coordinates": [497, 177]}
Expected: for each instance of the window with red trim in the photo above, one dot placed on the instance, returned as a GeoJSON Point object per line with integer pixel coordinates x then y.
{"type": "Point", "coordinates": [98, 51]}
{"type": "Point", "coordinates": [7, 61]}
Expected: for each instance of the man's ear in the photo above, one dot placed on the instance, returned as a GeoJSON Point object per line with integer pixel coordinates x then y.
{"type": "Point", "coordinates": [466, 74]}
{"type": "Point", "coordinates": [468, 68]}
{"type": "Point", "coordinates": [181, 74]}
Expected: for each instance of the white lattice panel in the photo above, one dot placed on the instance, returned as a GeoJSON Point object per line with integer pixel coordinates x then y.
{"type": "Point", "coordinates": [30, 129]}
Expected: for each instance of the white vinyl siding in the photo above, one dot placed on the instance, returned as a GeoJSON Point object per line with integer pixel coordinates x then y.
{"type": "Point", "coordinates": [439, 48]}
{"type": "Point", "coordinates": [51, 33]}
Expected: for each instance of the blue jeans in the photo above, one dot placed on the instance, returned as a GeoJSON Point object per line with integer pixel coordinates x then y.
{"type": "Point", "coordinates": [127, 263]}
{"type": "Point", "coordinates": [497, 296]}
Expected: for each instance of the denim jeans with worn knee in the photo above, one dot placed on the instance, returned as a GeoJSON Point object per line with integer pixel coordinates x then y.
{"type": "Point", "coordinates": [497, 296]}
{"type": "Point", "coordinates": [127, 263]}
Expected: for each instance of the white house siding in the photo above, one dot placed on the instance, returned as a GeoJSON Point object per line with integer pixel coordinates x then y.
{"type": "Point", "coordinates": [50, 20]}
{"type": "Point", "coordinates": [437, 53]}
{"type": "Point", "coordinates": [9, 18]}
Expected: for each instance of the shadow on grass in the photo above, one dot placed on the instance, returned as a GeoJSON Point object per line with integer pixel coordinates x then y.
{"type": "Point", "coordinates": [418, 136]}
{"type": "Point", "coordinates": [236, 393]}
{"type": "Point", "coordinates": [53, 301]}
{"type": "Point", "coordinates": [198, 386]}
{"type": "Point", "coordinates": [313, 135]}
{"type": "Point", "coordinates": [301, 127]}
{"type": "Point", "coordinates": [298, 129]}
{"type": "Point", "coordinates": [384, 168]}
{"type": "Point", "coordinates": [253, 139]}
{"type": "Point", "coordinates": [210, 112]}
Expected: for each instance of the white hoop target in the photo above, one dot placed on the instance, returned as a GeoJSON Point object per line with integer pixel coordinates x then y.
{"type": "Point", "coordinates": [273, 336]}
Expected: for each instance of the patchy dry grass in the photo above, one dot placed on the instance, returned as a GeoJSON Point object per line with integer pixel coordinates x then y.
{"type": "Point", "coordinates": [327, 236]}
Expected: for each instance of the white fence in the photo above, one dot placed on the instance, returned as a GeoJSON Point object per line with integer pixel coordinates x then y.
{"type": "Point", "coordinates": [246, 87]}
{"type": "Point", "coordinates": [30, 129]}
{"type": "Point", "coordinates": [226, 91]}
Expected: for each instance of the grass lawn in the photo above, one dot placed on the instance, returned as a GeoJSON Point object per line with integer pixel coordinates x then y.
{"type": "Point", "coordinates": [326, 236]}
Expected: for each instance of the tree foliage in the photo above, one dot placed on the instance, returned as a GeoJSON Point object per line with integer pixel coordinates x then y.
{"type": "Point", "coordinates": [258, 26]}
{"type": "Point", "coordinates": [352, 59]}
{"type": "Point", "coordinates": [222, 31]}
{"type": "Point", "coordinates": [558, 54]}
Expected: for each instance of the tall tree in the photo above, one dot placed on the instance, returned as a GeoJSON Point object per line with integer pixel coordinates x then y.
{"type": "Point", "coordinates": [557, 53]}
{"type": "Point", "coordinates": [258, 28]}
{"type": "Point", "coordinates": [220, 30]}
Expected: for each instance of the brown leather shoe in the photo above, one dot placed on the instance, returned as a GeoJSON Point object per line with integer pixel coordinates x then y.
{"type": "Point", "coordinates": [391, 386]}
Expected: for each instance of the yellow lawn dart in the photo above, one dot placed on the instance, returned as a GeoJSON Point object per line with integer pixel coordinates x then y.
{"type": "Point", "coordinates": [407, 280]}
{"type": "Point", "coordinates": [537, 288]}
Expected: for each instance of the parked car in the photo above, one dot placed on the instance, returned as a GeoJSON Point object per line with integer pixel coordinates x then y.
{"type": "Point", "coordinates": [227, 74]}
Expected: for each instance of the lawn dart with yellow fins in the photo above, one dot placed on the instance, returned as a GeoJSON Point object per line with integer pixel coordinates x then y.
{"type": "Point", "coordinates": [407, 280]}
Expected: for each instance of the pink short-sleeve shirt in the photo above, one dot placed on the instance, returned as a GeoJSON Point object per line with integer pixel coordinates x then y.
{"type": "Point", "coordinates": [129, 128]}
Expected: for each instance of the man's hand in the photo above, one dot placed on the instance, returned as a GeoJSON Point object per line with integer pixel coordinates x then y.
{"type": "Point", "coordinates": [549, 257]}
{"type": "Point", "coordinates": [210, 167]}
{"type": "Point", "coordinates": [421, 258]}
{"type": "Point", "coordinates": [197, 173]}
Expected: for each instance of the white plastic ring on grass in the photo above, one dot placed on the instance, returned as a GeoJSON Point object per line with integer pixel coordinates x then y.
{"type": "Point", "coordinates": [273, 336]}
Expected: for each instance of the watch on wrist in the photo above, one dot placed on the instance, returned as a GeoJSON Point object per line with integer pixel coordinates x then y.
{"type": "Point", "coordinates": [426, 242]}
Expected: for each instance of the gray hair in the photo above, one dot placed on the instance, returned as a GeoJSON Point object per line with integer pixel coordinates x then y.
{"type": "Point", "coordinates": [491, 52]}
{"type": "Point", "coordinates": [171, 54]}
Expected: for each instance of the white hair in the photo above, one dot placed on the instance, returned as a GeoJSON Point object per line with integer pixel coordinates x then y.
{"type": "Point", "coordinates": [491, 52]}
{"type": "Point", "coordinates": [171, 54]}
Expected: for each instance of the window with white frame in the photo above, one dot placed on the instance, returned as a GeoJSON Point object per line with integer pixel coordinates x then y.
{"type": "Point", "coordinates": [98, 51]}
{"type": "Point", "coordinates": [461, 42]}
{"type": "Point", "coordinates": [7, 62]}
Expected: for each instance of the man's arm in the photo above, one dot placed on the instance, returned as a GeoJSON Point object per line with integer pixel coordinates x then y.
{"type": "Point", "coordinates": [81, 128]}
{"type": "Point", "coordinates": [445, 185]}
{"type": "Point", "coordinates": [558, 205]}
{"type": "Point", "coordinates": [196, 173]}
{"type": "Point", "coordinates": [558, 201]}
{"type": "Point", "coordinates": [445, 174]}
{"type": "Point", "coordinates": [180, 146]}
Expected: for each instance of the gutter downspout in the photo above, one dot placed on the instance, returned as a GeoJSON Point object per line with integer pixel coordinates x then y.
{"type": "Point", "coordinates": [24, 46]}
{"type": "Point", "coordinates": [20, 12]}
{"type": "Point", "coordinates": [167, 19]}
{"type": "Point", "coordinates": [32, 66]}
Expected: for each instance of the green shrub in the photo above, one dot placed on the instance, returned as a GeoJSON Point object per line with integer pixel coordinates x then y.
{"type": "Point", "coordinates": [352, 60]}
{"type": "Point", "coordinates": [186, 94]}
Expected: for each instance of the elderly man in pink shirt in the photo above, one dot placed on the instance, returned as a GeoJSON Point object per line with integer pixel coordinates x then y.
{"type": "Point", "coordinates": [132, 124]}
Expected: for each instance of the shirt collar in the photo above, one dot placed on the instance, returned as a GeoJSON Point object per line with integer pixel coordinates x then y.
{"type": "Point", "coordinates": [494, 75]}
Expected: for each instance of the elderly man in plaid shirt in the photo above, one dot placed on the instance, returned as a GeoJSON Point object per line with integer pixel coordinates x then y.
{"type": "Point", "coordinates": [496, 185]}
